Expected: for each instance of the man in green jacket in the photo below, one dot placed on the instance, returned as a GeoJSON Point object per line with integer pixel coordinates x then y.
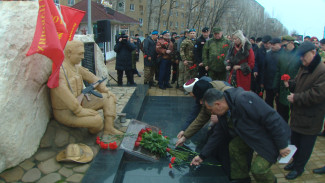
{"type": "Point", "coordinates": [288, 63]}
{"type": "Point", "coordinates": [214, 53]}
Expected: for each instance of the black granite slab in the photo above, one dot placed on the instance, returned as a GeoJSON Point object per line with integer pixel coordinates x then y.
{"type": "Point", "coordinates": [133, 107]}
{"type": "Point", "coordinates": [168, 114]}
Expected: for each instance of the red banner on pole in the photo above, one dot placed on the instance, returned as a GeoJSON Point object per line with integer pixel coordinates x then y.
{"type": "Point", "coordinates": [72, 17]}
{"type": "Point", "coordinates": [46, 41]}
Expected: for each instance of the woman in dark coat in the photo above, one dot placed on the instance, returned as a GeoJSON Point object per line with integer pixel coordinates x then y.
{"type": "Point", "coordinates": [123, 49]}
{"type": "Point", "coordinates": [240, 61]}
{"type": "Point", "coordinates": [308, 107]}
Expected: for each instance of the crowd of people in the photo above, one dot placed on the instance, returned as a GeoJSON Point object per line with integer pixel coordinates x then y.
{"type": "Point", "coordinates": [260, 95]}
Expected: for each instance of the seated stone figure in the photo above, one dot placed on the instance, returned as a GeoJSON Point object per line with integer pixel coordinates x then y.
{"type": "Point", "coordinates": [67, 109]}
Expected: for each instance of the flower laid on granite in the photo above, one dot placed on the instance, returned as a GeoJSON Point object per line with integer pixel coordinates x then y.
{"type": "Point", "coordinates": [184, 156]}
{"type": "Point", "coordinates": [152, 141]}
{"type": "Point", "coordinates": [285, 77]}
{"type": "Point", "coordinates": [170, 165]}
{"type": "Point", "coordinates": [112, 145]}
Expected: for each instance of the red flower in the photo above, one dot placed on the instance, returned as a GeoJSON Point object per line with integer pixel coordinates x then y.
{"type": "Point", "coordinates": [112, 145]}
{"type": "Point", "coordinates": [148, 129]}
{"type": "Point", "coordinates": [165, 137]}
{"type": "Point", "coordinates": [285, 77]}
{"type": "Point", "coordinates": [145, 56]}
{"type": "Point", "coordinates": [104, 146]}
{"type": "Point", "coordinates": [167, 149]}
{"type": "Point", "coordinates": [218, 57]}
{"type": "Point", "coordinates": [165, 43]}
{"type": "Point", "coordinates": [224, 45]}
{"type": "Point", "coordinates": [222, 55]}
{"type": "Point", "coordinates": [159, 132]}
{"type": "Point", "coordinates": [137, 144]}
{"type": "Point", "coordinates": [173, 160]}
{"type": "Point", "coordinates": [142, 131]}
{"type": "Point", "coordinates": [260, 94]}
{"type": "Point", "coordinates": [97, 138]}
{"type": "Point", "coordinates": [170, 165]}
{"type": "Point", "coordinates": [98, 141]}
{"type": "Point", "coordinates": [139, 139]}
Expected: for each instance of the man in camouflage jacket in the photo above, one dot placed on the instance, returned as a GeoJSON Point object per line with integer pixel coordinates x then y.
{"type": "Point", "coordinates": [187, 56]}
{"type": "Point", "coordinates": [214, 53]}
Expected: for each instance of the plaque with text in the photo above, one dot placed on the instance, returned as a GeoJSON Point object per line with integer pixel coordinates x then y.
{"type": "Point", "coordinates": [89, 57]}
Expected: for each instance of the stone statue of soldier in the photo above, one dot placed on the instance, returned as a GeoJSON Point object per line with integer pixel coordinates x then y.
{"type": "Point", "coordinates": [66, 107]}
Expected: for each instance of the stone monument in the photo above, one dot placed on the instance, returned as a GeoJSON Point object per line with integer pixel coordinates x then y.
{"type": "Point", "coordinates": [25, 106]}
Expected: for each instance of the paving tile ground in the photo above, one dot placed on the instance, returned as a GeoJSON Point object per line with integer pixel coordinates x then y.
{"type": "Point", "coordinates": [75, 172]}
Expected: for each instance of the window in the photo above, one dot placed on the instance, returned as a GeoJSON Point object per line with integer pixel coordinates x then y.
{"type": "Point", "coordinates": [70, 2]}
{"type": "Point", "coordinates": [171, 23]}
{"type": "Point", "coordinates": [176, 4]}
{"type": "Point", "coordinates": [141, 21]}
{"type": "Point", "coordinates": [182, 25]}
{"type": "Point", "coordinates": [56, 1]}
{"type": "Point", "coordinates": [182, 15]}
{"type": "Point", "coordinates": [131, 7]}
{"type": "Point", "coordinates": [176, 24]}
{"type": "Point", "coordinates": [165, 23]}
{"type": "Point", "coordinates": [140, 7]}
{"type": "Point", "coordinates": [164, 12]}
{"type": "Point", "coordinates": [182, 5]}
{"type": "Point", "coordinates": [176, 14]}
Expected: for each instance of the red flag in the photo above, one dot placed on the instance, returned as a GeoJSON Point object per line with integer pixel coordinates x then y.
{"type": "Point", "coordinates": [72, 17]}
{"type": "Point", "coordinates": [59, 24]}
{"type": "Point", "coordinates": [46, 41]}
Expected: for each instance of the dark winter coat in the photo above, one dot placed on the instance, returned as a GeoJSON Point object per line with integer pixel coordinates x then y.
{"type": "Point", "coordinates": [124, 55]}
{"type": "Point", "coordinates": [149, 49]}
{"type": "Point", "coordinates": [269, 70]}
{"type": "Point", "coordinates": [288, 63]}
{"type": "Point", "coordinates": [259, 125]}
{"type": "Point", "coordinates": [246, 59]}
{"type": "Point", "coordinates": [198, 47]}
{"type": "Point", "coordinates": [259, 63]}
{"type": "Point", "coordinates": [308, 109]}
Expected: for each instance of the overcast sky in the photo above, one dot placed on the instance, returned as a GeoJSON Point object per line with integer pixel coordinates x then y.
{"type": "Point", "coordinates": [307, 17]}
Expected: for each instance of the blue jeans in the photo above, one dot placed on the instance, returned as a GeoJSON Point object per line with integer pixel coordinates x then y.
{"type": "Point", "coordinates": [164, 72]}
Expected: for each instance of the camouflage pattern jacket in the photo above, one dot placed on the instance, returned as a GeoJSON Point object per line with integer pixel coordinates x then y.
{"type": "Point", "coordinates": [204, 115]}
{"type": "Point", "coordinates": [214, 53]}
{"type": "Point", "coordinates": [186, 51]}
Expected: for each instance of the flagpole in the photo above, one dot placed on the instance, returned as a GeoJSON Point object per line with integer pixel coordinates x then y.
{"type": "Point", "coordinates": [90, 28]}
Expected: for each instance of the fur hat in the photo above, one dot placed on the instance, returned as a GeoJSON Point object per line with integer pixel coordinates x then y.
{"type": "Point", "coordinates": [200, 88]}
{"type": "Point", "coordinates": [266, 38]}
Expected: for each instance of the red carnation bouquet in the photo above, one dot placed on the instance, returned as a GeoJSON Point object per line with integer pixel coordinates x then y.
{"type": "Point", "coordinates": [285, 77]}
{"type": "Point", "coordinates": [157, 144]}
{"type": "Point", "coordinates": [193, 67]}
{"type": "Point", "coordinates": [112, 145]}
{"type": "Point", "coordinates": [154, 142]}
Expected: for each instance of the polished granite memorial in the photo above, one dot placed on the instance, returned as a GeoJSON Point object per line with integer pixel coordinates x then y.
{"type": "Point", "coordinates": [169, 115]}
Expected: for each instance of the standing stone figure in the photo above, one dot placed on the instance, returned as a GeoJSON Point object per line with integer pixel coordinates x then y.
{"type": "Point", "coordinates": [67, 109]}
